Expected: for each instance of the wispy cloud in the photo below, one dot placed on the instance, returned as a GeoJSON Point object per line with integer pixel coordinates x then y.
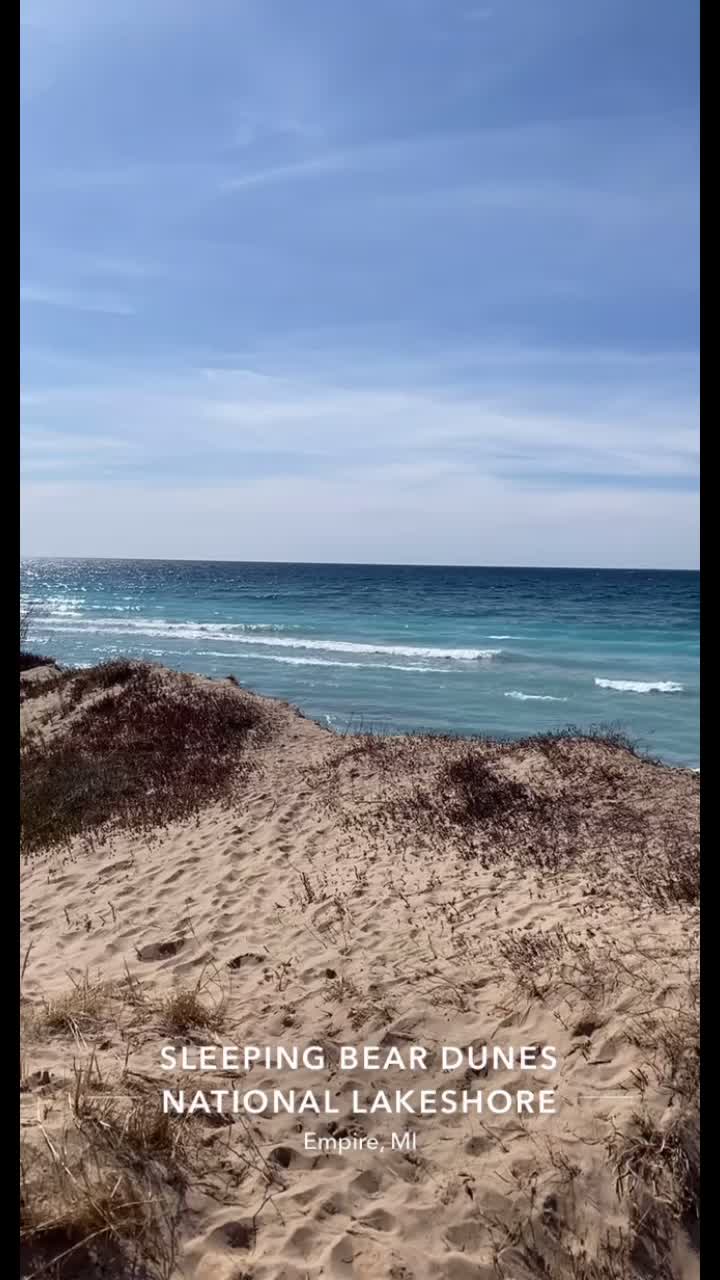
{"type": "Point", "coordinates": [74, 300]}
{"type": "Point", "coordinates": [482, 422]}
{"type": "Point", "coordinates": [296, 171]}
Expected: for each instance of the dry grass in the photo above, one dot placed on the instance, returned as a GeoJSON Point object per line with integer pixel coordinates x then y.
{"type": "Point", "coordinates": [671, 872]}
{"type": "Point", "coordinates": [80, 1012]}
{"type": "Point", "coordinates": [671, 1042]}
{"type": "Point", "coordinates": [108, 1195]}
{"type": "Point", "coordinates": [657, 1181]}
{"type": "Point", "coordinates": [27, 613]}
{"type": "Point", "coordinates": [113, 674]}
{"type": "Point", "coordinates": [28, 661]}
{"type": "Point", "coordinates": [658, 1172]}
{"type": "Point", "coordinates": [185, 1012]}
{"type": "Point", "coordinates": [657, 1161]}
{"type": "Point", "coordinates": [89, 1010]}
{"type": "Point", "coordinates": [551, 803]}
{"type": "Point", "coordinates": [105, 1197]}
{"type": "Point", "coordinates": [150, 749]}
{"type": "Point", "coordinates": [30, 690]}
{"type": "Point", "coordinates": [530, 953]}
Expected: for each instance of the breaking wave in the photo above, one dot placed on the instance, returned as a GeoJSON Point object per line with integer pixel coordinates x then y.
{"type": "Point", "coordinates": [533, 697]}
{"type": "Point", "coordinates": [640, 686]}
{"type": "Point", "coordinates": [238, 633]}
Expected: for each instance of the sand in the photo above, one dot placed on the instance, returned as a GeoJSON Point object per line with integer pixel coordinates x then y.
{"type": "Point", "coordinates": [309, 918]}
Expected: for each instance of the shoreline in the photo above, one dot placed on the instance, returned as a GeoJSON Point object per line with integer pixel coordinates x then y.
{"type": "Point", "coordinates": [409, 652]}
{"type": "Point", "coordinates": [509, 736]}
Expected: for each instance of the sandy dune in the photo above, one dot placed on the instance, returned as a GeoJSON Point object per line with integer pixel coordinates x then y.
{"type": "Point", "coordinates": [312, 911]}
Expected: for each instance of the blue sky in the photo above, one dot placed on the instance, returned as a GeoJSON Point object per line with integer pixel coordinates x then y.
{"type": "Point", "coordinates": [407, 280]}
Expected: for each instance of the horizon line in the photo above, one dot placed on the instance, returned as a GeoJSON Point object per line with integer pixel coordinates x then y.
{"type": "Point", "coordinates": [372, 564]}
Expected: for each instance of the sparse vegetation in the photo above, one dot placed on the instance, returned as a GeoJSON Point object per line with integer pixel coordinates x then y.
{"type": "Point", "coordinates": [530, 952]}
{"type": "Point", "coordinates": [105, 1197]}
{"type": "Point", "coordinates": [79, 1011]}
{"type": "Point", "coordinates": [27, 613]}
{"type": "Point", "coordinates": [28, 661]}
{"type": "Point", "coordinates": [657, 1160]}
{"type": "Point", "coordinates": [114, 674]}
{"type": "Point", "coordinates": [478, 795]}
{"type": "Point", "coordinates": [185, 1012]}
{"type": "Point", "coordinates": [549, 803]}
{"type": "Point", "coordinates": [145, 748]}
{"type": "Point", "coordinates": [107, 1194]}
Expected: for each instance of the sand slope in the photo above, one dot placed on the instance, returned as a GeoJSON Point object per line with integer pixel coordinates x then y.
{"type": "Point", "coordinates": [314, 919]}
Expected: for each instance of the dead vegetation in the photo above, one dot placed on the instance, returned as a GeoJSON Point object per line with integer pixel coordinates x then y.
{"type": "Point", "coordinates": [105, 1196]}
{"type": "Point", "coordinates": [143, 748]}
{"type": "Point", "coordinates": [84, 1012]}
{"type": "Point", "coordinates": [79, 1012]}
{"type": "Point", "coordinates": [77, 685]}
{"type": "Point", "coordinates": [29, 661]}
{"type": "Point", "coordinates": [551, 803]}
{"type": "Point", "coordinates": [530, 953]}
{"type": "Point", "coordinates": [655, 1159]}
{"type": "Point", "coordinates": [108, 1193]}
{"type": "Point", "coordinates": [186, 1012]}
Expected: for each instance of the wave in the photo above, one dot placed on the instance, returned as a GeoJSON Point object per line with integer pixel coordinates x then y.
{"type": "Point", "coordinates": [66, 606]}
{"type": "Point", "coordinates": [640, 686]}
{"type": "Point", "coordinates": [328, 662]}
{"type": "Point", "coordinates": [533, 697]}
{"type": "Point", "coordinates": [240, 633]}
{"type": "Point", "coordinates": [153, 626]}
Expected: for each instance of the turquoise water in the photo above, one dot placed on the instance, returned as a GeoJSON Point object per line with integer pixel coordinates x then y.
{"type": "Point", "coordinates": [466, 650]}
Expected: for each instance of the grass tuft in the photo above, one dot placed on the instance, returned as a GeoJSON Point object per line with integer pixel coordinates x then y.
{"type": "Point", "coordinates": [185, 1012]}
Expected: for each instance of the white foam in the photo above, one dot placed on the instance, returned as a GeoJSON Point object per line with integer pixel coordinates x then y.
{"type": "Point", "coordinates": [533, 697]}
{"type": "Point", "coordinates": [238, 633]}
{"type": "Point", "coordinates": [327, 662]}
{"type": "Point", "coordinates": [65, 605]}
{"type": "Point", "coordinates": [640, 686]}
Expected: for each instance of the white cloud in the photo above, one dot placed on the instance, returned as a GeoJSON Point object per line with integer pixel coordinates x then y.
{"type": "Point", "coordinates": [592, 424]}
{"type": "Point", "coordinates": [317, 166]}
{"type": "Point", "coordinates": [285, 466]}
{"type": "Point", "coordinates": [74, 300]}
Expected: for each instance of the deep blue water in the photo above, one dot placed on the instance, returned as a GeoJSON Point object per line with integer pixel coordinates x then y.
{"type": "Point", "coordinates": [468, 650]}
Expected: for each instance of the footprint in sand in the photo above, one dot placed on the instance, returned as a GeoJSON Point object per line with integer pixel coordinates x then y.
{"type": "Point", "coordinates": [160, 950]}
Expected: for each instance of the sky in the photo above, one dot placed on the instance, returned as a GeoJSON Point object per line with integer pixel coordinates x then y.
{"type": "Point", "coordinates": [406, 281]}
